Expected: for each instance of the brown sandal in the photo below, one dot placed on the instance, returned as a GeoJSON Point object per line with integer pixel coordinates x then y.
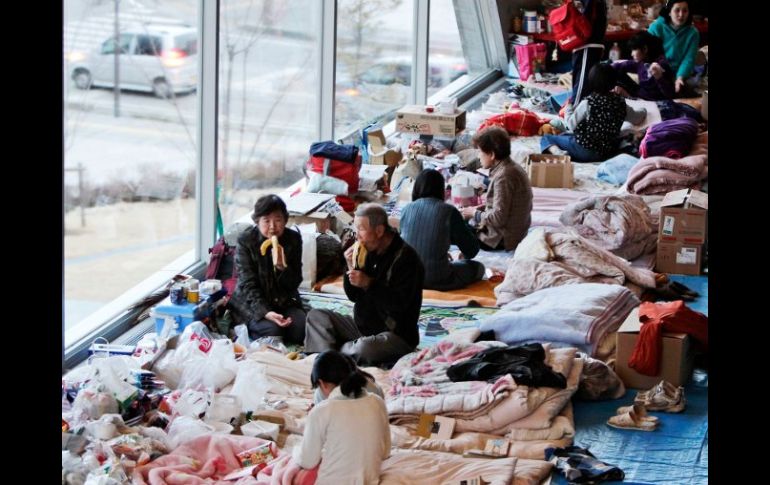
{"type": "Point", "coordinates": [630, 420]}
{"type": "Point", "coordinates": [663, 397]}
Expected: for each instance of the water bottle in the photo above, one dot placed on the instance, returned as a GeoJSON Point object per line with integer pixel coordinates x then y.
{"type": "Point", "coordinates": [614, 54]}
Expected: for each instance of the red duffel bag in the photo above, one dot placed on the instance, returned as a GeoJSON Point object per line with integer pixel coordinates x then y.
{"type": "Point", "coordinates": [337, 169]}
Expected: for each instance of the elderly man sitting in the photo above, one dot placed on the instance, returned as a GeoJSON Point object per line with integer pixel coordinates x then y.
{"type": "Point", "coordinates": [386, 289]}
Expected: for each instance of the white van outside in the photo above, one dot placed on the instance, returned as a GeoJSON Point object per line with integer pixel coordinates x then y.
{"type": "Point", "coordinates": [161, 59]}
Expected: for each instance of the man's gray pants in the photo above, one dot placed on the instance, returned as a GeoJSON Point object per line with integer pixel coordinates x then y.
{"type": "Point", "coordinates": [328, 330]}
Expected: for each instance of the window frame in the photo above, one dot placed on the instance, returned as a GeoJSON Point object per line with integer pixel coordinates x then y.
{"type": "Point", "coordinates": [114, 319]}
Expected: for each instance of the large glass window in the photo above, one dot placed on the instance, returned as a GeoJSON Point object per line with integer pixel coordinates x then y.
{"type": "Point", "coordinates": [130, 157]}
{"type": "Point", "coordinates": [268, 87]}
{"type": "Point", "coordinates": [446, 61]}
{"type": "Point", "coordinates": [374, 61]}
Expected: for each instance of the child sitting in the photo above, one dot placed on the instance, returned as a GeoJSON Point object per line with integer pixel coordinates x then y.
{"type": "Point", "coordinates": [656, 78]}
{"type": "Point", "coordinates": [595, 122]}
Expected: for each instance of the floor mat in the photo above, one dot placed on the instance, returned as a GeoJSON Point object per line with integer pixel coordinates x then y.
{"type": "Point", "coordinates": [480, 293]}
{"type": "Point", "coordinates": [676, 453]}
{"type": "Point", "coordinates": [434, 324]}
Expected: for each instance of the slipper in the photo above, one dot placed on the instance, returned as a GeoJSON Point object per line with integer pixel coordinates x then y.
{"type": "Point", "coordinates": [640, 412]}
{"type": "Point", "coordinates": [630, 420]}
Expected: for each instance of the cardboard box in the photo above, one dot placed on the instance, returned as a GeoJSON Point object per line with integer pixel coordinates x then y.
{"type": "Point", "coordinates": [679, 258]}
{"type": "Point", "coordinates": [684, 217]}
{"type": "Point", "coordinates": [676, 358]}
{"type": "Point", "coordinates": [553, 171]}
{"type": "Point", "coordinates": [415, 119]}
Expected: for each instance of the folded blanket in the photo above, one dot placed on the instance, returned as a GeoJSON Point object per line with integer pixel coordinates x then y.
{"type": "Point", "coordinates": [439, 468]}
{"type": "Point", "coordinates": [403, 437]}
{"type": "Point", "coordinates": [670, 138]}
{"type": "Point", "coordinates": [555, 257]}
{"type": "Point", "coordinates": [579, 315]}
{"type": "Point", "coordinates": [621, 224]}
{"type": "Point", "coordinates": [523, 400]}
{"type": "Point", "coordinates": [659, 175]}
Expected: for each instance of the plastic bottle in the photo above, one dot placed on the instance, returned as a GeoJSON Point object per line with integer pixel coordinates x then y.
{"type": "Point", "coordinates": [614, 54]}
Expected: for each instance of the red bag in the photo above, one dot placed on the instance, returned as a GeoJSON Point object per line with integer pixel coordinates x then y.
{"type": "Point", "coordinates": [570, 28]}
{"type": "Point", "coordinates": [340, 170]}
{"type": "Point", "coordinates": [222, 265]}
{"type": "Point", "coordinates": [530, 58]}
{"type": "Point", "coordinates": [519, 122]}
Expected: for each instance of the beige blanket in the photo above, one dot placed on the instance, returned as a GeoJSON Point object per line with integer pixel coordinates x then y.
{"type": "Point", "coordinates": [523, 400]}
{"type": "Point", "coordinates": [554, 257]}
{"type": "Point", "coordinates": [425, 468]}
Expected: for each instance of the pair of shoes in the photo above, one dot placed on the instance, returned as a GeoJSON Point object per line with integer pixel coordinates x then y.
{"type": "Point", "coordinates": [633, 417]}
{"type": "Point", "coordinates": [664, 397]}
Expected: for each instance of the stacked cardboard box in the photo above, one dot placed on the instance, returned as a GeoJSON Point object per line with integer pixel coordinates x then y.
{"type": "Point", "coordinates": [682, 232]}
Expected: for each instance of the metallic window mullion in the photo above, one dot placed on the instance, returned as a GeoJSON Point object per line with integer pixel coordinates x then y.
{"type": "Point", "coordinates": [327, 55]}
{"type": "Point", "coordinates": [208, 77]}
{"type": "Point", "coordinates": [489, 16]}
{"type": "Point", "coordinates": [420, 46]}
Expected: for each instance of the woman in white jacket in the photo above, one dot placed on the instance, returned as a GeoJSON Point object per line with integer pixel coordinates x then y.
{"type": "Point", "coordinates": [348, 432]}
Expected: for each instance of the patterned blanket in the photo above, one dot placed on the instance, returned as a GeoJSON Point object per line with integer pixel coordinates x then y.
{"type": "Point", "coordinates": [434, 324]}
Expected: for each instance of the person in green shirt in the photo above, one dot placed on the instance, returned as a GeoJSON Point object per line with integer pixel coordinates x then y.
{"type": "Point", "coordinates": [680, 40]}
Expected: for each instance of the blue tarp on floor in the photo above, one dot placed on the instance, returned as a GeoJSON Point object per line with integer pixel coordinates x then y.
{"type": "Point", "coordinates": [675, 453]}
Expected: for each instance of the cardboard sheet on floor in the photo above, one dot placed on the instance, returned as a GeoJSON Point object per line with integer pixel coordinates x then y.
{"type": "Point", "coordinates": [480, 292]}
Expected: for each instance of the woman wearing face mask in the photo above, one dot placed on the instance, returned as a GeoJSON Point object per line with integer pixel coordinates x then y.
{"type": "Point", "coordinates": [347, 432]}
{"type": "Point", "coordinates": [680, 40]}
{"type": "Point", "coordinates": [266, 298]}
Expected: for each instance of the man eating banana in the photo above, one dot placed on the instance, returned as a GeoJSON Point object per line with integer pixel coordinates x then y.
{"type": "Point", "coordinates": [384, 279]}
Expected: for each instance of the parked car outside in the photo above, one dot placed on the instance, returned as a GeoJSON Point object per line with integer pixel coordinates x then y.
{"type": "Point", "coordinates": [161, 59]}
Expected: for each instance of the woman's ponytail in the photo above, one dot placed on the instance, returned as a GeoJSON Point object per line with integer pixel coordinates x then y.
{"type": "Point", "coordinates": [353, 384]}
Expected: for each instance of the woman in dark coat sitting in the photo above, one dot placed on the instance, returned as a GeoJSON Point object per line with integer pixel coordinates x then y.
{"type": "Point", "coordinates": [430, 225]}
{"type": "Point", "coordinates": [266, 298]}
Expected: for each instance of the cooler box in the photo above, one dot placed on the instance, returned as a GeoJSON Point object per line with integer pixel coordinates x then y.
{"type": "Point", "coordinates": [181, 315]}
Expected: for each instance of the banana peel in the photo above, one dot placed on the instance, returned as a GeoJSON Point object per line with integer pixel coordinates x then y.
{"type": "Point", "coordinates": [279, 257]}
{"type": "Point", "coordinates": [359, 255]}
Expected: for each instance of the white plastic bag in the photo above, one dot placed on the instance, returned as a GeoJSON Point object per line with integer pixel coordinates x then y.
{"type": "Point", "coordinates": [192, 403]}
{"type": "Point", "coordinates": [185, 428]}
{"type": "Point", "coordinates": [223, 408]}
{"type": "Point", "coordinates": [251, 385]}
{"type": "Point", "coordinates": [213, 372]}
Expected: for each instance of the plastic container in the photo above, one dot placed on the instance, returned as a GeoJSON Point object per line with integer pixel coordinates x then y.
{"type": "Point", "coordinates": [179, 316]}
{"type": "Point", "coordinates": [261, 429]}
{"type": "Point", "coordinates": [530, 21]}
